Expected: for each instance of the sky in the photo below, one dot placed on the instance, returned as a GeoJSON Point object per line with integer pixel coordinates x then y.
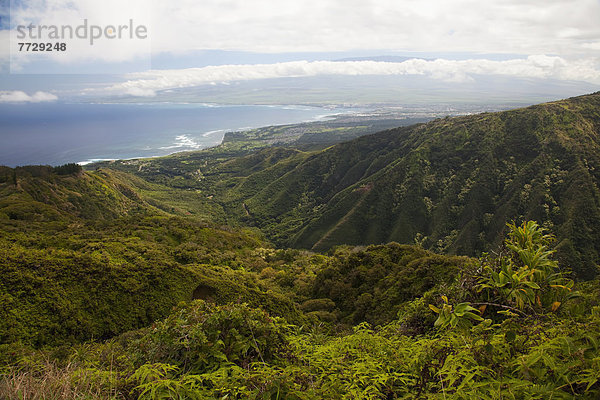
{"type": "Point", "coordinates": [195, 44]}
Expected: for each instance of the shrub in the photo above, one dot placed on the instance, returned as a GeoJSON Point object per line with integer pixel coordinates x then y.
{"type": "Point", "coordinates": [201, 337]}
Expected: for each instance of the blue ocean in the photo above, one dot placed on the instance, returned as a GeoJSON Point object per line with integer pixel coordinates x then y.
{"type": "Point", "coordinates": [59, 133]}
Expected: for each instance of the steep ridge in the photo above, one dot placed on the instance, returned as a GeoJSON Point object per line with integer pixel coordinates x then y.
{"type": "Point", "coordinates": [37, 193]}
{"type": "Point", "coordinates": [451, 184]}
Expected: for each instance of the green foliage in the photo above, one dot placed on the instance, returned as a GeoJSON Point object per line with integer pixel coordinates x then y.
{"type": "Point", "coordinates": [156, 381]}
{"type": "Point", "coordinates": [527, 278]}
{"type": "Point", "coordinates": [207, 351]}
{"type": "Point", "coordinates": [369, 284]}
{"type": "Point", "coordinates": [201, 337]}
{"type": "Point", "coordinates": [460, 316]}
{"type": "Point", "coordinates": [524, 281]}
{"type": "Point", "coordinates": [96, 288]}
{"type": "Point", "coordinates": [67, 169]}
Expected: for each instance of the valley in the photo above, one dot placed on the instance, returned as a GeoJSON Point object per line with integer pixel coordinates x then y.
{"type": "Point", "coordinates": [374, 259]}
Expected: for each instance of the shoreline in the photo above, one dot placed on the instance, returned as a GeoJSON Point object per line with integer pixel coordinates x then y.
{"type": "Point", "coordinates": [85, 133]}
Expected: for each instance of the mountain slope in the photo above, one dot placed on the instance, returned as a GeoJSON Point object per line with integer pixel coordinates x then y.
{"type": "Point", "coordinates": [453, 182]}
{"type": "Point", "coordinates": [37, 193]}
{"type": "Point", "coordinates": [83, 255]}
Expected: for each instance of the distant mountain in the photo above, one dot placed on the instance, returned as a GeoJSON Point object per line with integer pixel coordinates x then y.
{"type": "Point", "coordinates": [491, 90]}
{"type": "Point", "coordinates": [394, 59]}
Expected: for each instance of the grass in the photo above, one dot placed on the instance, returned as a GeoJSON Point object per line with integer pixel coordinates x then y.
{"type": "Point", "coordinates": [55, 382]}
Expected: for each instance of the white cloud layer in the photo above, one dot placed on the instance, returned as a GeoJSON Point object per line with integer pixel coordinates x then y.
{"type": "Point", "coordinates": [505, 26]}
{"type": "Point", "coordinates": [537, 66]}
{"type": "Point", "coordinates": [70, 22]}
{"type": "Point", "coordinates": [568, 28]}
{"type": "Point", "coordinates": [17, 96]}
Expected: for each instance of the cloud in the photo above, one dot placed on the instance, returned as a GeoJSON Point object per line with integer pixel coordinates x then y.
{"type": "Point", "coordinates": [83, 25]}
{"type": "Point", "coordinates": [568, 28]}
{"type": "Point", "coordinates": [18, 96]}
{"type": "Point", "coordinates": [538, 66]}
{"type": "Point", "coordinates": [504, 26]}
{"type": "Point", "coordinates": [592, 45]}
{"type": "Point", "coordinates": [140, 92]}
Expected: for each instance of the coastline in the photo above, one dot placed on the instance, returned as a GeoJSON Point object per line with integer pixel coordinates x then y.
{"type": "Point", "coordinates": [60, 133]}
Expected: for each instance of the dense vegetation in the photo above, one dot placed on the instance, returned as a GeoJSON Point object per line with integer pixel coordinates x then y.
{"type": "Point", "coordinates": [509, 326]}
{"type": "Point", "coordinates": [83, 257]}
{"type": "Point", "coordinates": [127, 283]}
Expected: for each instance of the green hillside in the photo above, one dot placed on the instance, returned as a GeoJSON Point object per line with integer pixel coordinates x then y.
{"type": "Point", "coordinates": [84, 256]}
{"type": "Point", "coordinates": [453, 182]}
{"type": "Point", "coordinates": [450, 184]}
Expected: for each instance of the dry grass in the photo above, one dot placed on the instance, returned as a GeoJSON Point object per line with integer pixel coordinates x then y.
{"type": "Point", "coordinates": [52, 382]}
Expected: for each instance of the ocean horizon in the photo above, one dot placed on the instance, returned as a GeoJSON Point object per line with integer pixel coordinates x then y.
{"type": "Point", "coordinates": [60, 133]}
